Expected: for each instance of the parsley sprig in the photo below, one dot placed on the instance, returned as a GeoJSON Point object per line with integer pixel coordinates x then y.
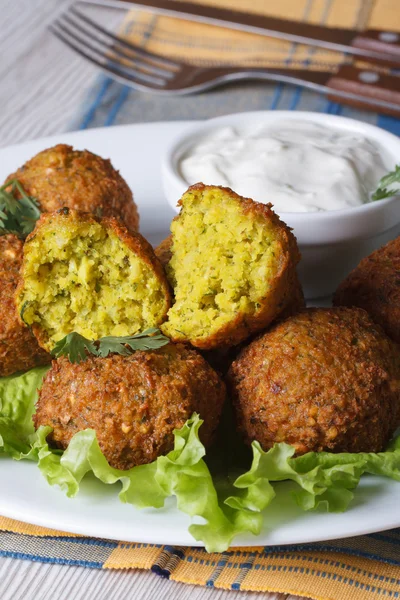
{"type": "Point", "coordinates": [382, 190]}
{"type": "Point", "coordinates": [150, 339]}
{"type": "Point", "coordinates": [77, 348]}
{"type": "Point", "coordinates": [17, 215]}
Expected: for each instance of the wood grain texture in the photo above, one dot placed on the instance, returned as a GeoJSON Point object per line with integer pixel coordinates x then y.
{"type": "Point", "coordinates": [42, 85]}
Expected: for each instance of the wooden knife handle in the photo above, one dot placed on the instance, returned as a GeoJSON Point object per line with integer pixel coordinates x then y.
{"type": "Point", "coordinates": [371, 85]}
{"type": "Point", "coordinates": [382, 47]}
{"type": "Point", "coordinates": [385, 43]}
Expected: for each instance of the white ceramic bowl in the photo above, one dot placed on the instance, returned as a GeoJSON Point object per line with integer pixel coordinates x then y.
{"type": "Point", "coordinates": [332, 242]}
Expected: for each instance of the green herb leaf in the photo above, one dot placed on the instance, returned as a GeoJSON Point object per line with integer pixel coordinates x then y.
{"type": "Point", "coordinates": [150, 339]}
{"type": "Point", "coordinates": [78, 348]}
{"type": "Point", "coordinates": [389, 179]}
{"type": "Point", "coordinates": [75, 346]}
{"type": "Point", "coordinates": [17, 215]}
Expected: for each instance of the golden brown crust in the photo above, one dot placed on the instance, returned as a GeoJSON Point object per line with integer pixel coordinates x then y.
{"type": "Point", "coordinates": [280, 294]}
{"type": "Point", "coordinates": [133, 240]}
{"type": "Point", "coordinates": [374, 285]}
{"type": "Point", "coordinates": [61, 176]}
{"type": "Point", "coordinates": [133, 403]}
{"type": "Point", "coordinates": [324, 379]}
{"type": "Point", "coordinates": [296, 300]}
{"type": "Point", "coordinates": [19, 351]}
{"type": "Point", "coordinates": [163, 251]}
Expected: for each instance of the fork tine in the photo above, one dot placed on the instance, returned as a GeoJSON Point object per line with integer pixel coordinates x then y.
{"type": "Point", "coordinates": [119, 71]}
{"type": "Point", "coordinates": [160, 60]}
{"type": "Point", "coordinates": [139, 63]}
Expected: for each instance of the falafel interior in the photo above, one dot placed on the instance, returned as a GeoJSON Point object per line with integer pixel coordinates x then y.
{"type": "Point", "coordinates": [79, 275]}
{"type": "Point", "coordinates": [225, 258]}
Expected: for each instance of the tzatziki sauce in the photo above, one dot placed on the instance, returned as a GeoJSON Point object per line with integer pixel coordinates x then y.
{"type": "Point", "coordinates": [296, 165]}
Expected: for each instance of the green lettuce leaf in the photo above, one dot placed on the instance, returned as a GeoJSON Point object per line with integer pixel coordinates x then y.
{"type": "Point", "coordinates": [18, 394]}
{"type": "Point", "coordinates": [181, 473]}
{"type": "Point", "coordinates": [326, 480]}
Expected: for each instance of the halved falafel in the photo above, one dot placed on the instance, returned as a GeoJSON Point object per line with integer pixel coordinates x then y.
{"type": "Point", "coordinates": [19, 350]}
{"type": "Point", "coordinates": [374, 285]}
{"type": "Point", "coordinates": [324, 379]}
{"type": "Point", "coordinates": [296, 300]}
{"type": "Point", "coordinates": [91, 276]}
{"type": "Point", "coordinates": [132, 402]}
{"type": "Point", "coordinates": [61, 176]}
{"type": "Point", "coordinates": [232, 266]}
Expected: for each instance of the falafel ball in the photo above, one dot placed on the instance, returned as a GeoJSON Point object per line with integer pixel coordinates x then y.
{"type": "Point", "coordinates": [324, 379]}
{"type": "Point", "coordinates": [89, 275]}
{"type": "Point", "coordinates": [61, 176]}
{"type": "Point", "coordinates": [232, 267]}
{"type": "Point", "coordinates": [132, 402]}
{"type": "Point", "coordinates": [296, 301]}
{"type": "Point", "coordinates": [19, 350]}
{"type": "Point", "coordinates": [375, 286]}
{"type": "Point", "coordinates": [163, 251]}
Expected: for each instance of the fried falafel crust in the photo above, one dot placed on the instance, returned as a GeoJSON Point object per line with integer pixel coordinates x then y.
{"type": "Point", "coordinates": [374, 285]}
{"type": "Point", "coordinates": [61, 176]}
{"type": "Point", "coordinates": [163, 251]}
{"type": "Point", "coordinates": [324, 379]}
{"type": "Point", "coordinates": [135, 243]}
{"type": "Point", "coordinates": [295, 299]}
{"type": "Point", "coordinates": [132, 402]}
{"type": "Point", "coordinates": [242, 324]}
{"type": "Point", "coordinates": [19, 350]}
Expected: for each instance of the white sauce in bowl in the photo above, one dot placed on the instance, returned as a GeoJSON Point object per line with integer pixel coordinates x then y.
{"type": "Point", "coordinates": [296, 165]}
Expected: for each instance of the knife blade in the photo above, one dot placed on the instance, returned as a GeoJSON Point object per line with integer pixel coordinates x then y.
{"type": "Point", "coordinates": [372, 45]}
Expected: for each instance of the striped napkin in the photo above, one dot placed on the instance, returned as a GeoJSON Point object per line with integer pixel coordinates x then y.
{"type": "Point", "coordinates": [358, 568]}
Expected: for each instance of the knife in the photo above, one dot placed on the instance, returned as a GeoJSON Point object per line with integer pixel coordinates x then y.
{"type": "Point", "coordinates": [372, 45]}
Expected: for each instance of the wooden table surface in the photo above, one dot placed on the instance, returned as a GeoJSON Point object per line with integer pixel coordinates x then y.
{"type": "Point", "coordinates": [42, 86]}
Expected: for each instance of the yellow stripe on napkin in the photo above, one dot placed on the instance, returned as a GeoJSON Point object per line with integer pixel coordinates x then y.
{"type": "Point", "coordinates": [202, 44]}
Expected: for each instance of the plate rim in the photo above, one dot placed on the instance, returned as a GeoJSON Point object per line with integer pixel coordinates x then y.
{"type": "Point", "coordinates": [46, 521]}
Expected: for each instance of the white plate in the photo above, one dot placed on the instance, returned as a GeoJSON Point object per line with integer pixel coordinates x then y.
{"type": "Point", "coordinates": [24, 494]}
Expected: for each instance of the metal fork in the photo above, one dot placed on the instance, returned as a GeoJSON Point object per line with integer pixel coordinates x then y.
{"type": "Point", "coordinates": [146, 71]}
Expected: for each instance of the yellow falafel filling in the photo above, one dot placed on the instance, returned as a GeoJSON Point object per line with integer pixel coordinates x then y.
{"type": "Point", "coordinates": [80, 277]}
{"type": "Point", "coordinates": [223, 263]}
